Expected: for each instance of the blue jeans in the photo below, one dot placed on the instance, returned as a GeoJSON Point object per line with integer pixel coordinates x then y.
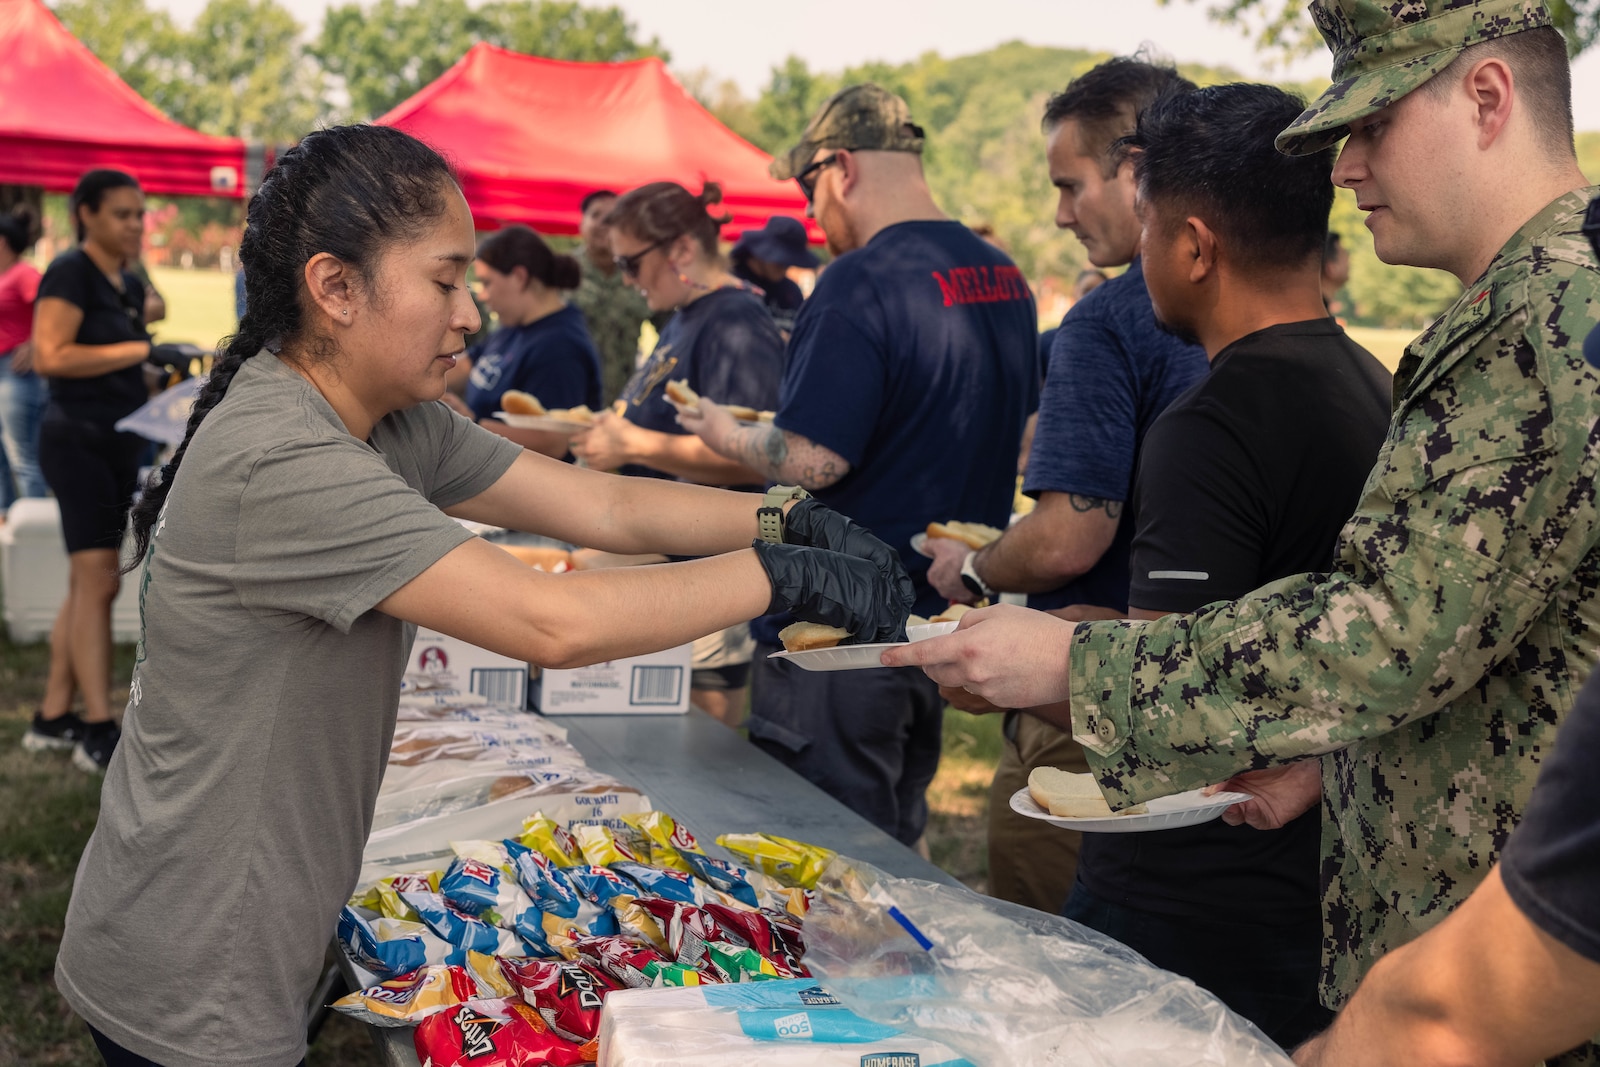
{"type": "Point", "coordinates": [22, 403]}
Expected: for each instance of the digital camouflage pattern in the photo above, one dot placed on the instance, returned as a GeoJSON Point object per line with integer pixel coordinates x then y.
{"type": "Point", "coordinates": [1383, 49]}
{"type": "Point", "coordinates": [1439, 657]}
{"type": "Point", "coordinates": [859, 118]}
{"type": "Point", "coordinates": [614, 312]}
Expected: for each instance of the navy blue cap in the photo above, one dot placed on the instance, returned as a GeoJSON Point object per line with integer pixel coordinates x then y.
{"type": "Point", "coordinates": [781, 240]}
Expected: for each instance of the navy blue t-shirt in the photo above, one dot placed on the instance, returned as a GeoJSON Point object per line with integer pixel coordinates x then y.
{"type": "Point", "coordinates": [1112, 371]}
{"type": "Point", "coordinates": [552, 358]}
{"type": "Point", "coordinates": [725, 345]}
{"type": "Point", "coordinates": [914, 359]}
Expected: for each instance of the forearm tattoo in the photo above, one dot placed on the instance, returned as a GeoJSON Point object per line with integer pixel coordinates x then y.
{"type": "Point", "coordinates": [1081, 503]}
{"type": "Point", "coordinates": [785, 458]}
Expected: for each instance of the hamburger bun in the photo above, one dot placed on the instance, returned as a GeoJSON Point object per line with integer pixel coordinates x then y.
{"type": "Point", "coordinates": [972, 534]}
{"type": "Point", "coordinates": [805, 636]}
{"type": "Point", "coordinates": [516, 402]}
{"type": "Point", "coordinates": [579, 414]}
{"type": "Point", "coordinates": [1072, 796]}
{"type": "Point", "coordinates": [952, 613]}
{"type": "Point", "coordinates": [742, 413]}
{"type": "Point", "coordinates": [679, 393]}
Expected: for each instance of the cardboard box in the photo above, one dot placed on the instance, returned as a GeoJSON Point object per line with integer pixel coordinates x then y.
{"type": "Point", "coordinates": [446, 666]}
{"type": "Point", "coordinates": [657, 684]}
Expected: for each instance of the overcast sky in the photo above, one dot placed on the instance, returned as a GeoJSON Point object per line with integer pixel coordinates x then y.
{"type": "Point", "coordinates": [743, 39]}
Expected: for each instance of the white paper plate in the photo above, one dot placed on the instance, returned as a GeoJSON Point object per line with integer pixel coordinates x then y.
{"type": "Point", "coordinates": [540, 422]}
{"type": "Point", "coordinates": [858, 657]}
{"type": "Point", "coordinates": [919, 543]}
{"type": "Point", "coordinates": [1167, 813]}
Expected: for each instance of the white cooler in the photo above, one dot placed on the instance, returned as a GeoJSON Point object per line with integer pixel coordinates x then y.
{"type": "Point", "coordinates": [33, 570]}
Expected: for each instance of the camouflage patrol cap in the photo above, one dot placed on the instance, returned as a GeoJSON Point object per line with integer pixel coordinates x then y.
{"type": "Point", "coordinates": [859, 118]}
{"type": "Point", "coordinates": [1383, 49]}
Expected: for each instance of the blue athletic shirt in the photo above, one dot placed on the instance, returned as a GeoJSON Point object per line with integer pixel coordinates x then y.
{"type": "Point", "coordinates": [915, 360]}
{"type": "Point", "coordinates": [1112, 371]}
{"type": "Point", "coordinates": [552, 358]}
{"type": "Point", "coordinates": [725, 345]}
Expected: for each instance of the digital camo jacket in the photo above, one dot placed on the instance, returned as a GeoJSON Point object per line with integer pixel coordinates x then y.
{"type": "Point", "coordinates": [1438, 659]}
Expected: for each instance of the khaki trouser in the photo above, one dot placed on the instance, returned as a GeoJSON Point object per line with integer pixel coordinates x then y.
{"type": "Point", "coordinates": [1031, 862]}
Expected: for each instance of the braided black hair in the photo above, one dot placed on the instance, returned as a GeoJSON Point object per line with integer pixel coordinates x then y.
{"type": "Point", "coordinates": [349, 191]}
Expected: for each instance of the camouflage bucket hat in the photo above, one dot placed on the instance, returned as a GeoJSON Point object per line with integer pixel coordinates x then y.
{"type": "Point", "coordinates": [859, 118]}
{"type": "Point", "coordinates": [1383, 49]}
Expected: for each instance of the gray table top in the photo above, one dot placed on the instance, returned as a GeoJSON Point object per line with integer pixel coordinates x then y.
{"type": "Point", "coordinates": [715, 782]}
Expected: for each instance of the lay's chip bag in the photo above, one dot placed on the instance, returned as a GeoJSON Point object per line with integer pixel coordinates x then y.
{"type": "Point", "coordinates": [793, 863]}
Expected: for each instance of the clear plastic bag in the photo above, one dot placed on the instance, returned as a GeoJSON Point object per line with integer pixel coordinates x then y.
{"type": "Point", "coordinates": [1003, 984]}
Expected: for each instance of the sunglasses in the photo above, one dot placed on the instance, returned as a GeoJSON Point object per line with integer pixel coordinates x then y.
{"type": "Point", "coordinates": [807, 178]}
{"type": "Point", "coordinates": [630, 264]}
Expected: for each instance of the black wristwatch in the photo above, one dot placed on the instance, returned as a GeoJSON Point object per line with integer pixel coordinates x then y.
{"type": "Point", "coordinates": [769, 516]}
{"type": "Point", "coordinates": [969, 578]}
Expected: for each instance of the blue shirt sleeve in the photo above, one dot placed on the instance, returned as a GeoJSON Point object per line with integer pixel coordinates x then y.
{"type": "Point", "coordinates": [1088, 432]}
{"type": "Point", "coordinates": [836, 377]}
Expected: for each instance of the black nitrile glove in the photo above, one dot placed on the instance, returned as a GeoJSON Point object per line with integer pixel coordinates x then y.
{"type": "Point", "coordinates": [816, 525]}
{"type": "Point", "coordinates": [836, 589]}
{"type": "Point", "coordinates": [174, 357]}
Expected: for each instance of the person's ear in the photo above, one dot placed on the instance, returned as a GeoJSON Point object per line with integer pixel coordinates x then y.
{"type": "Point", "coordinates": [1491, 86]}
{"type": "Point", "coordinates": [329, 281]}
{"type": "Point", "coordinates": [683, 252]}
{"type": "Point", "coordinates": [1199, 243]}
{"type": "Point", "coordinates": [519, 275]}
{"type": "Point", "coordinates": [849, 168]}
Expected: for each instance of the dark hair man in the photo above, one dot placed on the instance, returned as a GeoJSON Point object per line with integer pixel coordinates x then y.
{"type": "Point", "coordinates": [612, 309]}
{"type": "Point", "coordinates": [1437, 659]}
{"type": "Point", "coordinates": [1245, 478]}
{"type": "Point", "coordinates": [910, 373]}
{"type": "Point", "coordinates": [1112, 371]}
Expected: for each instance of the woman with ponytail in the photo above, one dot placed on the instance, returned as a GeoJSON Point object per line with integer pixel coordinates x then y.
{"type": "Point", "coordinates": [541, 347]}
{"type": "Point", "coordinates": [721, 340]}
{"type": "Point", "coordinates": [306, 522]}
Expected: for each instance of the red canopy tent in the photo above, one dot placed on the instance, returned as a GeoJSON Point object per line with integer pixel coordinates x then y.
{"type": "Point", "coordinates": [530, 137]}
{"type": "Point", "coordinates": [63, 112]}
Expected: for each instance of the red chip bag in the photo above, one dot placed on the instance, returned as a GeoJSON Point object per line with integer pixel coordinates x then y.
{"type": "Point", "coordinates": [566, 995]}
{"type": "Point", "coordinates": [775, 940]}
{"type": "Point", "coordinates": [624, 960]}
{"type": "Point", "coordinates": [495, 1033]}
{"type": "Point", "coordinates": [688, 928]}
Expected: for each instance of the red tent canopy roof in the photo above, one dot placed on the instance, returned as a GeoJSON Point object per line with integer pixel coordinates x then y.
{"type": "Point", "coordinates": [63, 112]}
{"type": "Point", "coordinates": [530, 137]}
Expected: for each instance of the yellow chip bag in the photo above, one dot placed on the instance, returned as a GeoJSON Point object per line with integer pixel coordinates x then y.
{"type": "Point", "coordinates": [601, 847]}
{"type": "Point", "coordinates": [411, 997]}
{"type": "Point", "coordinates": [793, 863]}
{"type": "Point", "coordinates": [546, 836]}
{"type": "Point", "coordinates": [667, 838]}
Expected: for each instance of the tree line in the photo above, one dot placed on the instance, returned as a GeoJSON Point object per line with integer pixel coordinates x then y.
{"type": "Point", "coordinates": [249, 69]}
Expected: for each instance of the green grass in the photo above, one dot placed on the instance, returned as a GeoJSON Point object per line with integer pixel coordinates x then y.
{"type": "Point", "coordinates": [958, 800]}
{"type": "Point", "coordinates": [199, 305]}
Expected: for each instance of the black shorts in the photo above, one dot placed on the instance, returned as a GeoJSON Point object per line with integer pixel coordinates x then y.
{"type": "Point", "coordinates": [93, 471]}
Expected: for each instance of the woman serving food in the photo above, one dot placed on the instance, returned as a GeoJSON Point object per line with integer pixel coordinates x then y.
{"type": "Point", "coordinates": [301, 528]}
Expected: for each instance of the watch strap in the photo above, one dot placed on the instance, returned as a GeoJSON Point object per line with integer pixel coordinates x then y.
{"type": "Point", "coordinates": [769, 516]}
{"type": "Point", "coordinates": [971, 579]}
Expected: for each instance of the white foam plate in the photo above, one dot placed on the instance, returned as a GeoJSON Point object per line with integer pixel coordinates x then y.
{"type": "Point", "coordinates": [1167, 813]}
{"type": "Point", "coordinates": [859, 657]}
{"type": "Point", "coordinates": [540, 422]}
{"type": "Point", "coordinates": [919, 542]}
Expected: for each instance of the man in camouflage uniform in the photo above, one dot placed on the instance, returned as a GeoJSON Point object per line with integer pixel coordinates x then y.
{"type": "Point", "coordinates": [1437, 660]}
{"type": "Point", "coordinates": [613, 309]}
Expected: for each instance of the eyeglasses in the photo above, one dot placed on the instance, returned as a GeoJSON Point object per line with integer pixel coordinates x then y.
{"type": "Point", "coordinates": [630, 264]}
{"type": "Point", "coordinates": [807, 178]}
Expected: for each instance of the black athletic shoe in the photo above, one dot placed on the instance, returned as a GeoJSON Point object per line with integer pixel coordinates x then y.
{"type": "Point", "coordinates": [64, 731]}
{"type": "Point", "coordinates": [93, 753]}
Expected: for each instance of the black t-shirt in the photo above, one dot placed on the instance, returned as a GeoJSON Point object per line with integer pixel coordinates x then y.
{"type": "Point", "coordinates": [728, 349]}
{"type": "Point", "coordinates": [109, 317]}
{"type": "Point", "coordinates": [1247, 478]}
{"type": "Point", "coordinates": [915, 359]}
{"type": "Point", "coordinates": [1551, 864]}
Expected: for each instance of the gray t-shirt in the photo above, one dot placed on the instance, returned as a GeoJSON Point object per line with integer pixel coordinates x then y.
{"type": "Point", "coordinates": [235, 811]}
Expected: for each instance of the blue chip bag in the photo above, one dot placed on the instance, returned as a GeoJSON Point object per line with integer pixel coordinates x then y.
{"type": "Point", "coordinates": [553, 892]}
{"type": "Point", "coordinates": [599, 884]}
{"type": "Point", "coordinates": [386, 959]}
{"type": "Point", "coordinates": [472, 885]}
{"type": "Point", "coordinates": [659, 882]}
{"type": "Point", "coordinates": [720, 874]}
{"type": "Point", "coordinates": [464, 932]}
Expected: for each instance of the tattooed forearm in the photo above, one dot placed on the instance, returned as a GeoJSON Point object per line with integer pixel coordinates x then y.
{"type": "Point", "coordinates": [1113, 508]}
{"type": "Point", "coordinates": [785, 457]}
